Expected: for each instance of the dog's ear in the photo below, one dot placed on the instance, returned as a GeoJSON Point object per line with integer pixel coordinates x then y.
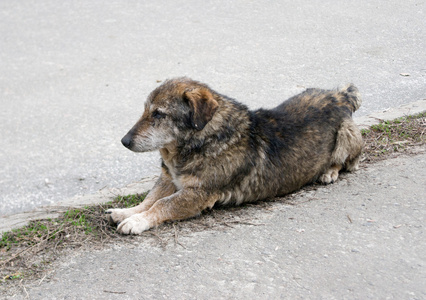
{"type": "Point", "coordinates": [202, 104]}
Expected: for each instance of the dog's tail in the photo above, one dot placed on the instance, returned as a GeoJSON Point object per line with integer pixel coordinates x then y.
{"type": "Point", "coordinates": [351, 97]}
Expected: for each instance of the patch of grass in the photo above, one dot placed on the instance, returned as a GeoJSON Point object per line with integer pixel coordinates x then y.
{"type": "Point", "coordinates": [27, 236]}
{"type": "Point", "coordinates": [27, 250]}
{"type": "Point", "coordinates": [129, 200]}
{"type": "Point", "coordinates": [391, 137]}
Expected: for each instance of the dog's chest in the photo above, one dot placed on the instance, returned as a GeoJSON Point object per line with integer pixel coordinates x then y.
{"type": "Point", "coordinates": [175, 178]}
{"type": "Point", "coordinates": [170, 160]}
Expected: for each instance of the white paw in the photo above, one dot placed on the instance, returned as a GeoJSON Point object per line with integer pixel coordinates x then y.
{"type": "Point", "coordinates": [117, 215]}
{"type": "Point", "coordinates": [135, 224]}
{"type": "Point", "coordinates": [353, 168]}
{"type": "Point", "coordinates": [330, 176]}
{"type": "Point", "coordinates": [334, 175]}
{"type": "Point", "coordinates": [325, 178]}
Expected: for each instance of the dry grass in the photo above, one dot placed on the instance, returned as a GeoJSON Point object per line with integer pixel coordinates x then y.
{"type": "Point", "coordinates": [27, 253]}
{"type": "Point", "coordinates": [390, 138]}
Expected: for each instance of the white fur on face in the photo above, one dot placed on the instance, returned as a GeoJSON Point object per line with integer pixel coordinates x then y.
{"type": "Point", "coordinates": [152, 139]}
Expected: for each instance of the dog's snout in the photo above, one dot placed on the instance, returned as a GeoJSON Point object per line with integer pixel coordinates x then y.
{"type": "Point", "coordinates": [127, 141]}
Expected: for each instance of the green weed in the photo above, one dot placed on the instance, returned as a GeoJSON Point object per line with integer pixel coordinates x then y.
{"type": "Point", "coordinates": [130, 200]}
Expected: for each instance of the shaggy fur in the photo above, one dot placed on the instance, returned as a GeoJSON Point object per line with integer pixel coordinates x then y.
{"type": "Point", "coordinates": [216, 151]}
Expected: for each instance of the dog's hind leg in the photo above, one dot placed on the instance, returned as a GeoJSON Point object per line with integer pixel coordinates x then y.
{"type": "Point", "coordinates": [346, 153]}
{"type": "Point", "coordinates": [350, 139]}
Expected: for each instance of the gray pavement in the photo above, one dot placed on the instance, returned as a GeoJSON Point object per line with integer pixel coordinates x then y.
{"type": "Point", "coordinates": [360, 238]}
{"type": "Point", "coordinates": [73, 75]}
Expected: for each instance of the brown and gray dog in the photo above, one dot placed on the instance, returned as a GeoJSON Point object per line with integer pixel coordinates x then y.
{"type": "Point", "coordinates": [215, 150]}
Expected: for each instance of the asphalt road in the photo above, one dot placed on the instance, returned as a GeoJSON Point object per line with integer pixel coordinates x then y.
{"type": "Point", "coordinates": [74, 74]}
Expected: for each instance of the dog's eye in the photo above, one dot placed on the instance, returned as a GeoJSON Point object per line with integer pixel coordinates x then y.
{"type": "Point", "coordinates": [158, 115]}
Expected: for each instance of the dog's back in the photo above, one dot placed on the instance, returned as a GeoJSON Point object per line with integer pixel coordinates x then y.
{"type": "Point", "coordinates": [347, 100]}
{"type": "Point", "coordinates": [309, 137]}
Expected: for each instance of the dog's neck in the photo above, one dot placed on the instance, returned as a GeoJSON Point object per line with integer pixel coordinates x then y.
{"type": "Point", "coordinates": [169, 152]}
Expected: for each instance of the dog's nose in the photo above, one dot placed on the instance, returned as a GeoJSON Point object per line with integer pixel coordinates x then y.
{"type": "Point", "coordinates": [127, 141]}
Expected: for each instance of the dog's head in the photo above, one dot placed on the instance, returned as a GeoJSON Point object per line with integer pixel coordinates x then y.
{"type": "Point", "coordinates": [174, 109]}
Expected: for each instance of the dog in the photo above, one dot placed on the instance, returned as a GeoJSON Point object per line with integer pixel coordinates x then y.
{"type": "Point", "coordinates": [214, 150]}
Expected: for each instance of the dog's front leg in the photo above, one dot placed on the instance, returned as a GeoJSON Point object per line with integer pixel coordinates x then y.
{"type": "Point", "coordinates": [183, 204]}
{"type": "Point", "coordinates": [163, 187]}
